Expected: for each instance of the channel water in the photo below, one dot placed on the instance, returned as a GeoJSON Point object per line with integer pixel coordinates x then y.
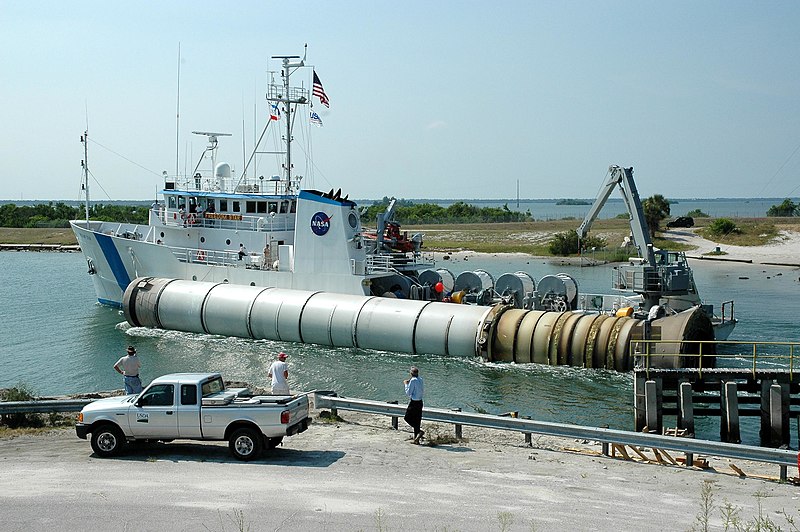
{"type": "Point", "coordinates": [56, 339]}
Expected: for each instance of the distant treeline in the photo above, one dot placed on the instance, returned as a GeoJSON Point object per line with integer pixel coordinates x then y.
{"type": "Point", "coordinates": [59, 214]}
{"type": "Point", "coordinates": [408, 212]}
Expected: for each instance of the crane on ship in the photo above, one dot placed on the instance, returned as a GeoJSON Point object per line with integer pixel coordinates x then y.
{"type": "Point", "coordinates": [654, 273]}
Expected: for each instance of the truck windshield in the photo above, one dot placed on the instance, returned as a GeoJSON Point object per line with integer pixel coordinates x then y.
{"type": "Point", "coordinates": [213, 386]}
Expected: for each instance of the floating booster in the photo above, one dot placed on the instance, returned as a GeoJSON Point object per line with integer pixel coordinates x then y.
{"type": "Point", "coordinates": [498, 333]}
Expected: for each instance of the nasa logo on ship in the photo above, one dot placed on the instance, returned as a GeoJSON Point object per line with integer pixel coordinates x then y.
{"type": "Point", "coordinates": [320, 223]}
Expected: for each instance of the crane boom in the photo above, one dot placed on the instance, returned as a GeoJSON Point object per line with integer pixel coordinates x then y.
{"type": "Point", "coordinates": [623, 178]}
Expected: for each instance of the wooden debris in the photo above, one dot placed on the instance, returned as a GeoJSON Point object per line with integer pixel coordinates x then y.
{"type": "Point", "coordinates": [738, 471]}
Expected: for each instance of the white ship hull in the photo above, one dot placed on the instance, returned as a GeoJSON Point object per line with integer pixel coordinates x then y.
{"type": "Point", "coordinates": [116, 261]}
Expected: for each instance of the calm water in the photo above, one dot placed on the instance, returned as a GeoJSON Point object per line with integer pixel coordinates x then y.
{"type": "Point", "coordinates": [55, 338]}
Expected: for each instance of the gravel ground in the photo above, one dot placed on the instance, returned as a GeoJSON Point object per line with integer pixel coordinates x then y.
{"type": "Point", "coordinates": [359, 474]}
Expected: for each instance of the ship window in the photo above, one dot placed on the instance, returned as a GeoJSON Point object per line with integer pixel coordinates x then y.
{"type": "Point", "coordinates": [284, 207]}
{"type": "Point", "coordinates": [162, 234]}
{"type": "Point", "coordinates": [273, 206]}
{"type": "Point", "coordinates": [171, 202]}
{"type": "Point", "coordinates": [262, 207]}
{"type": "Point", "coordinates": [223, 205]}
{"type": "Point", "coordinates": [236, 207]}
{"type": "Point", "coordinates": [228, 242]}
{"type": "Point", "coordinates": [293, 207]}
{"type": "Point", "coordinates": [251, 206]}
{"type": "Point", "coordinates": [202, 239]}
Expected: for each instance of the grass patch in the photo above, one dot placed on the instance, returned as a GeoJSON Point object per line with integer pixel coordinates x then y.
{"type": "Point", "coordinates": [750, 233]}
{"type": "Point", "coordinates": [326, 416]}
{"type": "Point", "coordinates": [43, 235]}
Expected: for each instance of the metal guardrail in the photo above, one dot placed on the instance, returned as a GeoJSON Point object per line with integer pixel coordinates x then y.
{"type": "Point", "coordinates": [783, 458]}
{"type": "Point", "coordinates": [39, 407]}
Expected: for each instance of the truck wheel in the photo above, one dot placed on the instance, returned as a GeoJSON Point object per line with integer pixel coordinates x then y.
{"type": "Point", "coordinates": [107, 440]}
{"type": "Point", "coordinates": [245, 444]}
{"type": "Point", "coordinates": [274, 442]}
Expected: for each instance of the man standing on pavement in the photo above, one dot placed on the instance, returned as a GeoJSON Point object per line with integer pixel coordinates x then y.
{"type": "Point", "coordinates": [414, 389]}
{"type": "Point", "coordinates": [279, 372]}
{"type": "Point", "coordinates": [129, 366]}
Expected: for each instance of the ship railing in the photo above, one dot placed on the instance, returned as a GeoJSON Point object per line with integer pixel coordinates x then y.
{"type": "Point", "coordinates": [210, 257]}
{"type": "Point", "coordinates": [727, 311]}
{"type": "Point", "coordinates": [237, 222]}
{"type": "Point", "coordinates": [703, 355]}
{"type": "Point", "coordinates": [606, 303]}
{"type": "Point", "coordinates": [378, 264]}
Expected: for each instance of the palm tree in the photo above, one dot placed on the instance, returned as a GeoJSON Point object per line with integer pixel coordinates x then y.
{"type": "Point", "coordinates": [656, 209]}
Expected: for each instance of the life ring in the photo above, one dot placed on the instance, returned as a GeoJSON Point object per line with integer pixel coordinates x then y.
{"type": "Point", "coordinates": [201, 256]}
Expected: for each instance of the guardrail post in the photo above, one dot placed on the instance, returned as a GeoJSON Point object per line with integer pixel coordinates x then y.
{"type": "Point", "coordinates": [458, 426]}
{"type": "Point", "coordinates": [394, 418]}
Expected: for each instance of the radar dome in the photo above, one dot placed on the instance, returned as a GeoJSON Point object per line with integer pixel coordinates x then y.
{"type": "Point", "coordinates": [222, 171]}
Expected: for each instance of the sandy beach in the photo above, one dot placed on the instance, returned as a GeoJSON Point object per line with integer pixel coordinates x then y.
{"type": "Point", "coordinates": [785, 250]}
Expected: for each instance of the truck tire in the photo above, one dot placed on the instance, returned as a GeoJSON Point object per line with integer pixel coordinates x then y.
{"type": "Point", "coordinates": [245, 444]}
{"type": "Point", "coordinates": [274, 442]}
{"type": "Point", "coordinates": [107, 440]}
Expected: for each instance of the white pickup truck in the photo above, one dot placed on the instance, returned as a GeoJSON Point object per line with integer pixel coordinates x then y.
{"type": "Point", "coordinates": [194, 406]}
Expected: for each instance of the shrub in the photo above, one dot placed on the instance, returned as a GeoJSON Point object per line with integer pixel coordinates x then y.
{"type": "Point", "coordinates": [723, 227]}
{"type": "Point", "coordinates": [566, 243]}
{"type": "Point", "coordinates": [21, 392]}
{"type": "Point", "coordinates": [787, 208]}
{"type": "Point", "coordinates": [697, 213]}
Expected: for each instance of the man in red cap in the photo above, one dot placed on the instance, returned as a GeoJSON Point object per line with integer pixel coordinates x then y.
{"type": "Point", "coordinates": [279, 372]}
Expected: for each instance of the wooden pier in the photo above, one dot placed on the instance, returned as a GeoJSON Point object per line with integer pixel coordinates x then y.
{"type": "Point", "coordinates": [733, 379]}
{"type": "Point", "coordinates": [730, 394]}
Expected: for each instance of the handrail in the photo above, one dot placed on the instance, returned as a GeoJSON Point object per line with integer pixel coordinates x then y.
{"type": "Point", "coordinates": [781, 457]}
{"type": "Point", "coordinates": [642, 350]}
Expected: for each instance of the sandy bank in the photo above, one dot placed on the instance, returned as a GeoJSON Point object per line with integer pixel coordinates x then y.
{"type": "Point", "coordinates": [362, 475]}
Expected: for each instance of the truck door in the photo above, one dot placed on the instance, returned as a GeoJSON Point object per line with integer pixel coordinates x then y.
{"type": "Point", "coordinates": [153, 415]}
{"type": "Point", "coordinates": [189, 412]}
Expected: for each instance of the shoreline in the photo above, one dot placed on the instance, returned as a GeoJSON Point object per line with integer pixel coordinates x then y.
{"type": "Point", "coordinates": [784, 252]}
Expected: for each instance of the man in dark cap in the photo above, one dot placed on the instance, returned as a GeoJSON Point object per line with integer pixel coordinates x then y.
{"type": "Point", "coordinates": [414, 390]}
{"type": "Point", "coordinates": [129, 366]}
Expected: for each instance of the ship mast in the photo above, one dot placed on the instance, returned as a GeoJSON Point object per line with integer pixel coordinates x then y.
{"type": "Point", "coordinates": [85, 165]}
{"type": "Point", "coordinates": [285, 95]}
{"type": "Point", "coordinates": [288, 96]}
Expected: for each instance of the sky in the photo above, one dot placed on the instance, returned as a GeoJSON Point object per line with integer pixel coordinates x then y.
{"type": "Point", "coordinates": [429, 99]}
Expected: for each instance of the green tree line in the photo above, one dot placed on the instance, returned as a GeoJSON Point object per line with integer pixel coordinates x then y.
{"type": "Point", "coordinates": [59, 214]}
{"type": "Point", "coordinates": [787, 208]}
{"type": "Point", "coordinates": [410, 213]}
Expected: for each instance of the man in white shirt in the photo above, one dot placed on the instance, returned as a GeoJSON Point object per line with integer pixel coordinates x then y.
{"type": "Point", "coordinates": [414, 390]}
{"type": "Point", "coordinates": [129, 367]}
{"type": "Point", "coordinates": [279, 372]}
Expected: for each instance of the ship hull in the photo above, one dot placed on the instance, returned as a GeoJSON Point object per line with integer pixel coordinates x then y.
{"type": "Point", "coordinates": [114, 261]}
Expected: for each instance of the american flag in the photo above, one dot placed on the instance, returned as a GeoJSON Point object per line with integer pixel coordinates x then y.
{"type": "Point", "coordinates": [319, 92]}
